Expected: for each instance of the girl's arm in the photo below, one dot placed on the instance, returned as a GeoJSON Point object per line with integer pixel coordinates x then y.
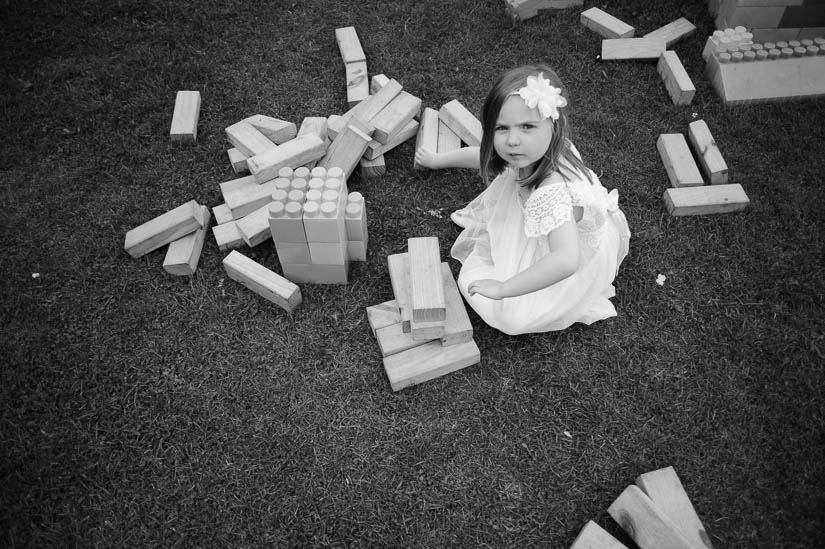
{"type": "Point", "coordinates": [561, 262]}
{"type": "Point", "coordinates": [465, 157]}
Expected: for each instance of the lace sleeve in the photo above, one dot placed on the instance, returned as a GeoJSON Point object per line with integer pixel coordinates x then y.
{"type": "Point", "coordinates": [547, 209]}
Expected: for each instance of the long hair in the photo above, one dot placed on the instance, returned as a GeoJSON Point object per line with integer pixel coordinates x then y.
{"type": "Point", "coordinates": [559, 156]}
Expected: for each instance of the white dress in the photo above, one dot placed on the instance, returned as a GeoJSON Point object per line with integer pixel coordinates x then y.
{"type": "Point", "coordinates": [502, 237]}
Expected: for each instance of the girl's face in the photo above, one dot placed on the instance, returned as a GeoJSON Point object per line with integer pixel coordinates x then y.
{"type": "Point", "coordinates": [521, 137]}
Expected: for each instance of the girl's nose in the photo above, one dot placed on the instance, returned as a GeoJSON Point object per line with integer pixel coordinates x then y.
{"type": "Point", "coordinates": [512, 137]}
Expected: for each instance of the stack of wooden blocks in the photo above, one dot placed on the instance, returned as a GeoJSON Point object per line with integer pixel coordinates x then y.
{"type": "Point", "coordinates": [447, 129]}
{"type": "Point", "coordinates": [519, 10]}
{"type": "Point", "coordinates": [689, 195]}
{"type": "Point", "coordinates": [425, 332]}
{"type": "Point", "coordinates": [656, 512]}
{"type": "Point", "coordinates": [743, 71]}
{"type": "Point", "coordinates": [772, 20]}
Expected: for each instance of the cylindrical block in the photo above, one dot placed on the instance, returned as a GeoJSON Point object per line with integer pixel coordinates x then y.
{"type": "Point", "coordinates": [313, 195]}
{"type": "Point", "coordinates": [294, 209]}
{"type": "Point", "coordinates": [286, 171]}
{"type": "Point", "coordinates": [329, 209]}
{"type": "Point", "coordinates": [330, 195]}
{"type": "Point", "coordinates": [297, 196]}
{"type": "Point", "coordinates": [316, 183]}
{"type": "Point", "coordinates": [311, 208]}
{"type": "Point", "coordinates": [283, 183]}
{"type": "Point", "coordinates": [319, 171]}
{"type": "Point", "coordinates": [280, 195]}
{"type": "Point", "coordinates": [302, 172]}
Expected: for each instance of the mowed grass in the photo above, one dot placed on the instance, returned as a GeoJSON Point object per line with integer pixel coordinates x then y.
{"type": "Point", "coordinates": [141, 409]}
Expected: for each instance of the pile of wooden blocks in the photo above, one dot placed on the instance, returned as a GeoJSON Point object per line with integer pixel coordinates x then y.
{"type": "Point", "coordinates": [656, 512]}
{"type": "Point", "coordinates": [519, 10]}
{"type": "Point", "coordinates": [689, 195]}
{"type": "Point", "coordinates": [772, 20]}
{"type": "Point", "coordinates": [425, 332]}
{"type": "Point", "coordinates": [447, 129]}
{"type": "Point", "coordinates": [743, 71]}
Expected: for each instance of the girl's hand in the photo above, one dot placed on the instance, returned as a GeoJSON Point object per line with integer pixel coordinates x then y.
{"type": "Point", "coordinates": [426, 158]}
{"type": "Point", "coordinates": [493, 289]}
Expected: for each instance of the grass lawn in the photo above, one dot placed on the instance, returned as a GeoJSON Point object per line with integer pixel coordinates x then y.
{"type": "Point", "coordinates": [141, 409]}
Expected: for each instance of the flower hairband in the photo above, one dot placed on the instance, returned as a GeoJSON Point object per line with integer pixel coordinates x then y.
{"type": "Point", "coordinates": [539, 94]}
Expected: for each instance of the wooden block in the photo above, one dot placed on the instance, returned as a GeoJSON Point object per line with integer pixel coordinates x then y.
{"type": "Point", "coordinates": [679, 164]}
{"type": "Point", "coordinates": [462, 122]}
{"type": "Point", "coordinates": [293, 154]}
{"type": "Point", "coordinates": [398, 266]}
{"type": "Point", "coordinates": [293, 252]}
{"type": "Point", "coordinates": [427, 133]}
{"type": "Point", "coordinates": [185, 116]}
{"type": "Point", "coordinates": [314, 125]}
{"type": "Point", "coordinates": [183, 254]}
{"type": "Point", "coordinates": [673, 32]}
{"type": "Point", "coordinates": [243, 201]}
{"type": "Point", "coordinates": [378, 81]}
{"type": "Point", "coordinates": [676, 79]}
{"type": "Point", "coordinates": [426, 282]}
{"type": "Point", "coordinates": [227, 236]}
{"type": "Point", "coordinates": [366, 110]}
{"type": "Point", "coordinates": [395, 116]}
{"type": "Point", "coordinates": [346, 150]}
{"type": "Point", "coordinates": [447, 138]}
{"type": "Point", "coordinates": [428, 361]}
{"type": "Point", "coordinates": [605, 24]}
{"type": "Point", "coordinates": [222, 214]}
{"type": "Point", "coordinates": [254, 228]}
{"type": "Point", "coordinates": [376, 149]}
{"type": "Point", "coordinates": [617, 49]}
{"type": "Point", "coordinates": [375, 167]}
{"type": "Point", "coordinates": [238, 161]}
{"type": "Point", "coordinates": [268, 284]}
{"type": "Point", "coordinates": [248, 140]}
{"type": "Point", "coordinates": [706, 200]}
{"type": "Point", "coordinates": [392, 339]}
{"type": "Point", "coordinates": [593, 536]}
{"type": "Point", "coordinates": [349, 45]}
{"type": "Point", "coordinates": [710, 157]}
{"type": "Point", "coordinates": [665, 490]}
{"type": "Point", "coordinates": [164, 229]}
{"type": "Point", "coordinates": [358, 84]}
{"type": "Point", "coordinates": [525, 9]}
{"type": "Point", "coordinates": [276, 130]}
{"type": "Point", "coordinates": [457, 325]}
{"type": "Point", "coordinates": [317, 274]}
{"type": "Point", "coordinates": [383, 314]}
{"type": "Point", "coordinates": [649, 527]}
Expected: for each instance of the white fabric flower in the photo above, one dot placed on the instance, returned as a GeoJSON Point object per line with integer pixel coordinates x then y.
{"type": "Point", "coordinates": [539, 94]}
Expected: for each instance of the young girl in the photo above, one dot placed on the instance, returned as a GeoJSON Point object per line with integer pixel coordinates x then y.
{"type": "Point", "coordinates": [542, 244]}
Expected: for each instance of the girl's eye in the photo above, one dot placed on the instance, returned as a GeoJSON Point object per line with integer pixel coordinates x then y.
{"type": "Point", "coordinates": [528, 126]}
{"type": "Point", "coordinates": [500, 128]}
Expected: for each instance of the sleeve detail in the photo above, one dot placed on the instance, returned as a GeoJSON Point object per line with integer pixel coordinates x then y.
{"type": "Point", "coordinates": [547, 209]}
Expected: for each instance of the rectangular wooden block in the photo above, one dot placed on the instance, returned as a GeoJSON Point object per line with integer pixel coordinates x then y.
{"type": "Point", "coordinates": [457, 325]}
{"type": "Point", "coordinates": [593, 536]}
{"type": "Point", "coordinates": [605, 24]}
{"type": "Point", "coordinates": [378, 81]}
{"type": "Point", "coordinates": [222, 214]}
{"type": "Point", "coordinates": [447, 138]}
{"type": "Point", "coordinates": [276, 130]}
{"type": "Point", "coordinates": [617, 49]}
{"type": "Point", "coordinates": [349, 45]}
{"type": "Point", "coordinates": [346, 150]}
{"type": "Point", "coordinates": [376, 149]}
{"type": "Point", "coordinates": [358, 84]}
{"type": "Point", "coordinates": [673, 32]}
{"type": "Point", "coordinates": [459, 119]}
{"type": "Point", "coordinates": [185, 116]}
{"type": "Point", "coordinates": [164, 229]}
{"type": "Point", "coordinates": [254, 228]}
{"type": "Point", "coordinates": [427, 133]}
{"type": "Point", "coordinates": [238, 160]}
{"type": "Point", "coordinates": [313, 125]}
{"type": "Point", "coordinates": [375, 167]}
{"type": "Point", "coordinates": [649, 527]}
{"type": "Point", "coordinates": [248, 140]}
{"type": "Point", "coordinates": [264, 282]}
{"type": "Point", "coordinates": [398, 267]}
{"type": "Point", "coordinates": [525, 9]}
{"type": "Point", "coordinates": [316, 274]}
{"type": "Point", "coordinates": [706, 200]}
{"type": "Point", "coordinates": [367, 109]}
{"type": "Point", "coordinates": [679, 164]}
{"type": "Point", "coordinates": [227, 236]}
{"type": "Point", "coordinates": [710, 157]}
{"type": "Point", "coordinates": [183, 254]}
{"type": "Point", "coordinates": [428, 361]}
{"type": "Point", "coordinates": [392, 339]}
{"type": "Point", "coordinates": [665, 490]}
{"type": "Point", "coordinates": [292, 154]}
{"type": "Point", "coordinates": [676, 79]}
{"type": "Point", "coordinates": [395, 116]}
{"type": "Point", "coordinates": [426, 281]}
{"type": "Point", "coordinates": [383, 315]}
{"type": "Point", "coordinates": [242, 202]}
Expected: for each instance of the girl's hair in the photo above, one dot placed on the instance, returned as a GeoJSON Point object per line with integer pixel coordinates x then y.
{"type": "Point", "coordinates": [559, 156]}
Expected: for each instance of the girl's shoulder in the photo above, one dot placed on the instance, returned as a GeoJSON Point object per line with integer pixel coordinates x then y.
{"type": "Point", "coordinates": [547, 207]}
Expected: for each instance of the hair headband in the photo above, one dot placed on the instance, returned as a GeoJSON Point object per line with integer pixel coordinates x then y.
{"type": "Point", "coordinates": [539, 94]}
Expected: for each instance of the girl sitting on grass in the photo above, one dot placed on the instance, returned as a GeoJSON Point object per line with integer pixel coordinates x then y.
{"type": "Point", "coordinates": [543, 242]}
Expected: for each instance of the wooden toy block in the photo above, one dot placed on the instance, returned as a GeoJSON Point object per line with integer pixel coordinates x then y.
{"type": "Point", "coordinates": [376, 149]}
{"type": "Point", "coordinates": [183, 254]}
{"type": "Point", "coordinates": [392, 339]}
{"type": "Point", "coordinates": [710, 157]}
{"type": "Point", "coordinates": [593, 536]}
{"type": "Point", "coordinates": [676, 79]}
{"type": "Point", "coordinates": [605, 24]}
{"type": "Point", "coordinates": [314, 125]}
{"type": "Point", "coordinates": [679, 164]}
{"type": "Point", "coordinates": [164, 229]}
{"type": "Point", "coordinates": [293, 154]}
{"type": "Point", "coordinates": [674, 31]}
{"type": "Point", "coordinates": [395, 116]}
{"type": "Point", "coordinates": [324, 220]}
{"type": "Point", "coordinates": [328, 253]}
{"type": "Point", "coordinates": [457, 325]}
{"type": "Point", "coordinates": [222, 214]}
{"type": "Point", "coordinates": [346, 150]}
{"type": "Point", "coordinates": [447, 138]}
{"type": "Point", "coordinates": [286, 222]}
{"type": "Point", "coordinates": [349, 45]}
{"type": "Point", "coordinates": [427, 331]}
{"type": "Point", "coordinates": [267, 284]}
{"type": "Point", "coordinates": [378, 81]}
{"type": "Point", "coordinates": [462, 122]}
{"type": "Point", "coordinates": [276, 130]}
{"type": "Point", "coordinates": [357, 250]}
{"type": "Point", "coordinates": [665, 490]}
{"type": "Point", "coordinates": [382, 315]}
{"type": "Point", "coordinates": [427, 133]}
{"type": "Point", "coordinates": [185, 116]}
{"type": "Point", "coordinates": [254, 228]}
{"type": "Point", "coordinates": [706, 200]}
{"type": "Point", "coordinates": [398, 267]}
{"type": "Point", "coordinates": [238, 160]}
{"type": "Point", "coordinates": [426, 283]}
{"type": "Point", "coordinates": [227, 236]}
{"type": "Point", "coordinates": [428, 361]}
{"type": "Point", "coordinates": [316, 274]}
{"type": "Point", "coordinates": [366, 110]}
{"type": "Point", "coordinates": [239, 185]}
{"type": "Point", "coordinates": [248, 140]}
{"type": "Point", "coordinates": [242, 202]}
{"type": "Point", "coordinates": [358, 84]}
{"type": "Point", "coordinates": [525, 9]}
{"type": "Point", "coordinates": [649, 527]}
{"type": "Point", "coordinates": [375, 167]}
{"type": "Point", "coordinates": [293, 252]}
{"type": "Point", "coordinates": [355, 220]}
{"type": "Point", "coordinates": [618, 49]}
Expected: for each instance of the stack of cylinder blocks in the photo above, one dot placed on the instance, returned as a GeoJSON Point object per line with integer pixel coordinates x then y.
{"type": "Point", "coordinates": [736, 45]}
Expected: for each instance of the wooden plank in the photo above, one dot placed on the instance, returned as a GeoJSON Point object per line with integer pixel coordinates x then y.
{"type": "Point", "coordinates": [222, 214]}
{"type": "Point", "coordinates": [349, 45]}
{"type": "Point", "coordinates": [276, 130]}
{"type": "Point", "coordinates": [708, 153]}
{"type": "Point", "coordinates": [673, 32]}
{"type": "Point", "coordinates": [395, 116]}
{"type": "Point", "coordinates": [375, 167]}
{"type": "Point", "coordinates": [447, 138]}
{"type": "Point", "coordinates": [242, 202]}
{"type": "Point", "coordinates": [254, 228]}
{"type": "Point", "coordinates": [706, 200]}
{"type": "Point", "coordinates": [428, 361]}
{"type": "Point", "coordinates": [164, 229]}
{"type": "Point", "coordinates": [457, 325]}
{"type": "Point", "coordinates": [313, 125]}
{"type": "Point", "coordinates": [459, 119]}
{"type": "Point", "coordinates": [605, 24]}
{"type": "Point", "coordinates": [665, 490]}
{"type": "Point", "coordinates": [376, 149]}
{"type": "Point", "coordinates": [398, 267]}
{"type": "Point", "coordinates": [346, 150]}
{"type": "Point", "coordinates": [238, 161]}
{"type": "Point", "coordinates": [267, 284]}
{"type": "Point", "coordinates": [677, 82]}
{"type": "Point", "coordinates": [227, 236]}
{"type": "Point", "coordinates": [521, 10]}
{"type": "Point", "coordinates": [383, 315]}
{"type": "Point", "coordinates": [366, 110]}
{"type": "Point", "coordinates": [292, 154]}
{"type": "Point", "coordinates": [185, 116]}
{"type": "Point", "coordinates": [426, 283]}
{"type": "Point", "coordinates": [679, 164]}
{"type": "Point", "coordinates": [378, 81]}
{"type": "Point", "coordinates": [183, 254]}
{"type": "Point", "coordinates": [248, 140]}
{"type": "Point", "coordinates": [649, 527]}
{"type": "Point", "coordinates": [427, 133]}
{"type": "Point", "coordinates": [593, 536]}
{"type": "Point", "coordinates": [392, 339]}
{"type": "Point", "coordinates": [618, 49]}
{"type": "Point", "coordinates": [358, 84]}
